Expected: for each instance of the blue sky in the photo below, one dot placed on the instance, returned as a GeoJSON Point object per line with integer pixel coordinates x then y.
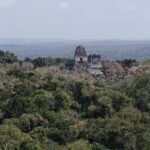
{"type": "Point", "coordinates": [75, 19]}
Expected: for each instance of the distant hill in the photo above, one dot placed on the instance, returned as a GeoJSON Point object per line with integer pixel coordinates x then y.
{"type": "Point", "coordinates": [110, 50]}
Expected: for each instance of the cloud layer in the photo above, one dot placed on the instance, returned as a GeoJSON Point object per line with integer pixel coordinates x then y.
{"type": "Point", "coordinates": [63, 5]}
{"type": "Point", "coordinates": [7, 3]}
{"type": "Point", "coordinates": [98, 19]}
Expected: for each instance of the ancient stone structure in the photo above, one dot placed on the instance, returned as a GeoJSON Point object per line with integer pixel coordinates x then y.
{"type": "Point", "coordinates": [95, 66]}
{"type": "Point", "coordinates": [80, 54]}
{"type": "Point", "coordinates": [92, 63]}
{"type": "Point", "coordinates": [81, 58]}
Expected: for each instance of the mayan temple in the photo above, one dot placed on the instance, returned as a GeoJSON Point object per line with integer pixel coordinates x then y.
{"type": "Point", "coordinates": [91, 63]}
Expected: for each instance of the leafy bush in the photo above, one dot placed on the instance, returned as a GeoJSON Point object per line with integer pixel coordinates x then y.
{"type": "Point", "coordinates": [7, 57]}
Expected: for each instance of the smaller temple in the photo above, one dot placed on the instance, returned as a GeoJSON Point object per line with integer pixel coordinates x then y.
{"type": "Point", "coordinates": [92, 63]}
{"type": "Point", "coordinates": [95, 66]}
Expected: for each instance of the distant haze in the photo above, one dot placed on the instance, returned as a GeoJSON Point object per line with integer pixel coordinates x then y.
{"type": "Point", "coordinates": [110, 50]}
{"type": "Point", "coordinates": [75, 19]}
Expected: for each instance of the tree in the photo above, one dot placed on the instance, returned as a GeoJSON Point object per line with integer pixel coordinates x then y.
{"type": "Point", "coordinates": [131, 114]}
{"type": "Point", "coordinates": [28, 122]}
{"type": "Point", "coordinates": [7, 57]}
{"type": "Point", "coordinates": [62, 100]}
{"type": "Point", "coordinates": [120, 101]}
{"type": "Point", "coordinates": [113, 133]}
{"type": "Point", "coordinates": [127, 63]}
{"type": "Point", "coordinates": [79, 145]}
{"type": "Point", "coordinates": [44, 103]}
{"type": "Point", "coordinates": [137, 88]}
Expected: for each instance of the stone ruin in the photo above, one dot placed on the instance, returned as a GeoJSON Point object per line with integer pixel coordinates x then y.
{"type": "Point", "coordinates": [91, 63]}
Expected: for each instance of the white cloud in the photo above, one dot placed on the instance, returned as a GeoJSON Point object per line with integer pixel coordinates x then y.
{"type": "Point", "coordinates": [63, 5]}
{"type": "Point", "coordinates": [7, 3]}
{"type": "Point", "coordinates": [128, 5]}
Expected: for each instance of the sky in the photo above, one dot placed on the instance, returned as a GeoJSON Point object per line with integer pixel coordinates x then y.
{"type": "Point", "coordinates": [75, 19]}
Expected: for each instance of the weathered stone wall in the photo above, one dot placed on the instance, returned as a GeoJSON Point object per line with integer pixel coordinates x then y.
{"type": "Point", "coordinates": [96, 66]}
{"type": "Point", "coordinates": [78, 59]}
{"type": "Point", "coordinates": [95, 71]}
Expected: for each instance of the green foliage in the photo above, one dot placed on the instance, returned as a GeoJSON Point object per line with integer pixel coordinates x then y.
{"type": "Point", "coordinates": [69, 64]}
{"type": "Point", "coordinates": [40, 111]}
{"type": "Point", "coordinates": [114, 133]}
{"type": "Point", "coordinates": [79, 145]}
{"type": "Point", "coordinates": [138, 88]}
{"type": "Point", "coordinates": [62, 100]}
{"type": "Point", "coordinates": [12, 138]}
{"type": "Point", "coordinates": [17, 72]}
{"type": "Point", "coordinates": [7, 57]}
{"type": "Point", "coordinates": [97, 146]}
{"type": "Point", "coordinates": [97, 101]}
{"type": "Point", "coordinates": [131, 114]}
{"type": "Point", "coordinates": [28, 122]}
{"type": "Point", "coordinates": [43, 62]}
{"type": "Point", "coordinates": [127, 63]}
{"type": "Point", "coordinates": [44, 103]}
{"type": "Point", "coordinates": [120, 101]}
{"type": "Point", "coordinates": [39, 62]}
{"type": "Point", "coordinates": [51, 85]}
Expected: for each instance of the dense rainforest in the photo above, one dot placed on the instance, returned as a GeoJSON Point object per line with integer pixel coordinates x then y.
{"type": "Point", "coordinates": [44, 105]}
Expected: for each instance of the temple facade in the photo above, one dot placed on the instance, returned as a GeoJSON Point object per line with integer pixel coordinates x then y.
{"type": "Point", "coordinates": [91, 63]}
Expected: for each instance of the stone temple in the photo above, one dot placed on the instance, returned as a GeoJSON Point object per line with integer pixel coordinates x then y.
{"type": "Point", "coordinates": [91, 63]}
